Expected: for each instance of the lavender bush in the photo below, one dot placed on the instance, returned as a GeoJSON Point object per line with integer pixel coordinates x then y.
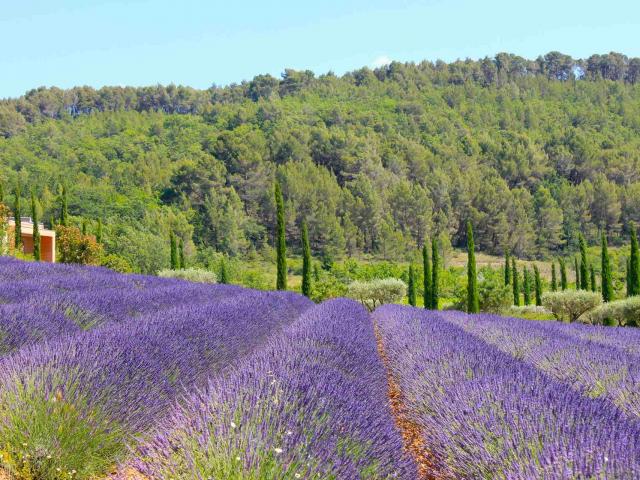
{"type": "Point", "coordinates": [72, 404]}
{"type": "Point", "coordinates": [485, 414]}
{"type": "Point", "coordinates": [311, 404]}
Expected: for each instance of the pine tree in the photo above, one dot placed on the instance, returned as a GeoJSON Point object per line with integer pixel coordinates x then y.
{"type": "Point", "coordinates": [538, 285]}
{"type": "Point", "coordinates": [507, 269]}
{"type": "Point", "coordinates": [224, 276]}
{"type": "Point", "coordinates": [606, 278]}
{"type": "Point", "coordinates": [306, 262]}
{"type": "Point", "coordinates": [473, 303]}
{"type": "Point", "coordinates": [426, 281]}
{"type": "Point", "coordinates": [64, 212]}
{"type": "Point", "coordinates": [584, 265]}
{"type": "Point", "coordinates": [563, 275]}
{"type": "Point", "coordinates": [526, 286]}
{"type": "Point", "coordinates": [592, 275]}
{"type": "Point", "coordinates": [435, 267]}
{"type": "Point", "coordinates": [174, 251]}
{"type": "Point", "coordinates": [17, 214]}
{"type": "Point", "coordinates": [36, 229]}
{"type": "Point", "coordinates": [412, 294]}
{"type": "Point", "coordinates": [634, 264]}
{"type": "Point", "coordinates": [554, 279]}
{"type": "Point", "coordinates": [281, 245]}
{"type": "Point", "coordinates": [515, 282]}
{"type": "Point", "coordinates": [181, 255]}
{"type": "Point", "coordinates": [99, 231]}
{"type": "Point", "coordinates": [576, 267]}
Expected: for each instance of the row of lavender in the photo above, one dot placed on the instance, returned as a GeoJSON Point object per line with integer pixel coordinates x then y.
{"type": "Point", "coordinates": [42, 301]}
{"type": "Point", "coordinates": [73, 404]}
{"type": "Point", "coordinates": [598, 362]}
{"type": "Point", "coordinates": [312, 404]}
{"type": "Point", "coordinates": [498, 398]}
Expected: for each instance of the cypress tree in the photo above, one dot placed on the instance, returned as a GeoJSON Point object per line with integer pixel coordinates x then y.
{"type": "Point", "coordinates": [592, 274]}
{"type": "Point", "coordinates": [576, 267]}
{"type": "Point", "coordinates": [281, 246]}
{"type": "Point", "coordinates": [628, 276]}
{"type": "Point", "coordinates": [515, 282]}
{"type": "Point", "coordinates": [606, 279]}
{"type": "Point", "coordinates": [224, 278]}
{"type": "Point", "coordinates": [181, 255]}
{"type": "Point", "coordinates": [563, 275]}
{"type": "Point", "coordinates": [526, 286]}
{"type": "Point", "coordinates": [426, 281]}
{"type": "Point", "coordinates": [412, 286]}
{"type": "Point", "coordinates": [174, 251]}
{"type": "Point", "coordinates": [306, 262]}
{"type": "Point", "coordinates": [36, 229]}
{"type": "Point", "coordinates": [17, 214]}
{"type": "Point", "coordinates": [634, 264]}
{"type": "Point", "coordinates": [538, 285]}
{"type": "Point", "coordinates": [554, 279]}
{"type": "Point", "coordinates": [84, 227]}
{"type": "Point", "coordinates": [64, 212]}
{"type": "Point", "coordinates": [473, 303]}
{"type": "Point", "coordinates": [435, 266]}
{"type": "Point", "coordinates": [1, 193]}
{"type": "Point", "coordinates": [99, 231]}
{"type": "Point", "coordinates": [507, 269]}
{"type": "Point", "coordinates": [584, 265]}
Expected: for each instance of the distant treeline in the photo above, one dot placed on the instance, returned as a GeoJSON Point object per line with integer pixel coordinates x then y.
{"type": "Point", "coordinates": [532, 152]}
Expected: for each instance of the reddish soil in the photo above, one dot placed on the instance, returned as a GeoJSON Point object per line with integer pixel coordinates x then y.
{"type": "Point", "coordinates": [411, 432]}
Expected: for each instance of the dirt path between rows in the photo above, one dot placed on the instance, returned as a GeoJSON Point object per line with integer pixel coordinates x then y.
{"type": "Point", "coordinates": [411, 433]}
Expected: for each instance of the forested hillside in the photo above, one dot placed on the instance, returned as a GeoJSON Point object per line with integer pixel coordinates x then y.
{"type": "Point", "coordinates": [376, 161]}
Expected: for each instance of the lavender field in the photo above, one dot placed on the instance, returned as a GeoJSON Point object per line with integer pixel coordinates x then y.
{"type": "Point", "coordinates": [109, 376]}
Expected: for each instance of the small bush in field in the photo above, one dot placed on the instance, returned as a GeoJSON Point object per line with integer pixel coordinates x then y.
{"type": "Point", "coordinates": [621, 312]}
{"type": "Point", "coordinates": [377, 292]}
{"type": "Point", "coordinates": [570, 305]}
{"type": "Point", "coordinates": [190, 274]}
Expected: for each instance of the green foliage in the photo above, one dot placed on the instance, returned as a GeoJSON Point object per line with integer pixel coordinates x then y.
{"type": "Point", "coordinates": [17, 213]}
{"type": "Point", "coordinates": [584, 265]}
{"type": "Point", "coordinates": [306, 261]}
{"type": "Point", "coordinates": [281, 241]}
{"type": "Point", "coordinates": [190, 274]}
{"type": "Point", "coordinates": [605, 273]}
{"type": "Point", "coordinates": [115, 262]}
{"type": "Point", "coordinates": [175, 263]}
{"type": "Point", "coordinates": [64, 207]}
{"type": "Point", "coordinates": [507, 269]}
{"type": "Point", "coordinates": [36, 228]}
{"type": "Point", "coordinates": [570, 305]}
{"type": "Point", "coordinates": [493, 295]}
{"type": "Point", "coordinates": [620, 312]}
{"type": "Point", "coordinates": [181, 258]}
{"type": "Point", "coordinates": [223, 278]}
{"type": "Point", "coordinates": [537, 285]}
{"type": "Point", "coordinates": [99, 231]}
{"type": "Point", "coordinates": [515, 283]}
{"type": "Point", "coordinates": [473, 304]}
{"type": "Point", "coordinates": [563, 275]}
{"type": "Point", "coordinates": [526, 286]}
{"type": "Point", "coordinates": [412, 288]}
{"type": "Point", "coordinates": [427, 293]}
{"type": "Point", "coordinates": [634, 265]}
{"type": "Point", "coordinates": [374, 293]}
{"type": "Point", "coordinates": [554, 278]}
{"type": "Point", "coordinates": [576, 267]}
{"type": "Point", "coordinates": [327, 286]}
{"type": "Point", "coordinates": [435, 275]}
{"type": "Point", "coordinates": [592, 281]}
{"type": "Point", "coordinates": [73, 247]}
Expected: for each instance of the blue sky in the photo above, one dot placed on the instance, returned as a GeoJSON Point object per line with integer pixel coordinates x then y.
{"type": "Point", "coordinates": [199, 43]}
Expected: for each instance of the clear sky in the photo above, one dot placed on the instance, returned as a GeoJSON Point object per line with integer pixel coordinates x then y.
{"type": "Point", "coordinates": [199, 43]}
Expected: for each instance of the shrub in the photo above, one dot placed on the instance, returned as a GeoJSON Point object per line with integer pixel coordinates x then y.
{"type": "Point", "coordinates": [327, 286]}
{"type": "Point", "coordinates": [116, 263]}
{"type": "Point", "coordinates": [621, 312]}
{"type": "Point", "coordinates": [570, 305]}
{"type": "Point", "coordinates": [190, 274]}
{"type": "Point", "coordinates": [377, 292]}
{"type": "Point", "coordinates": [494, 295]}
{"type": "Point", "coordinates": [73, 247]}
